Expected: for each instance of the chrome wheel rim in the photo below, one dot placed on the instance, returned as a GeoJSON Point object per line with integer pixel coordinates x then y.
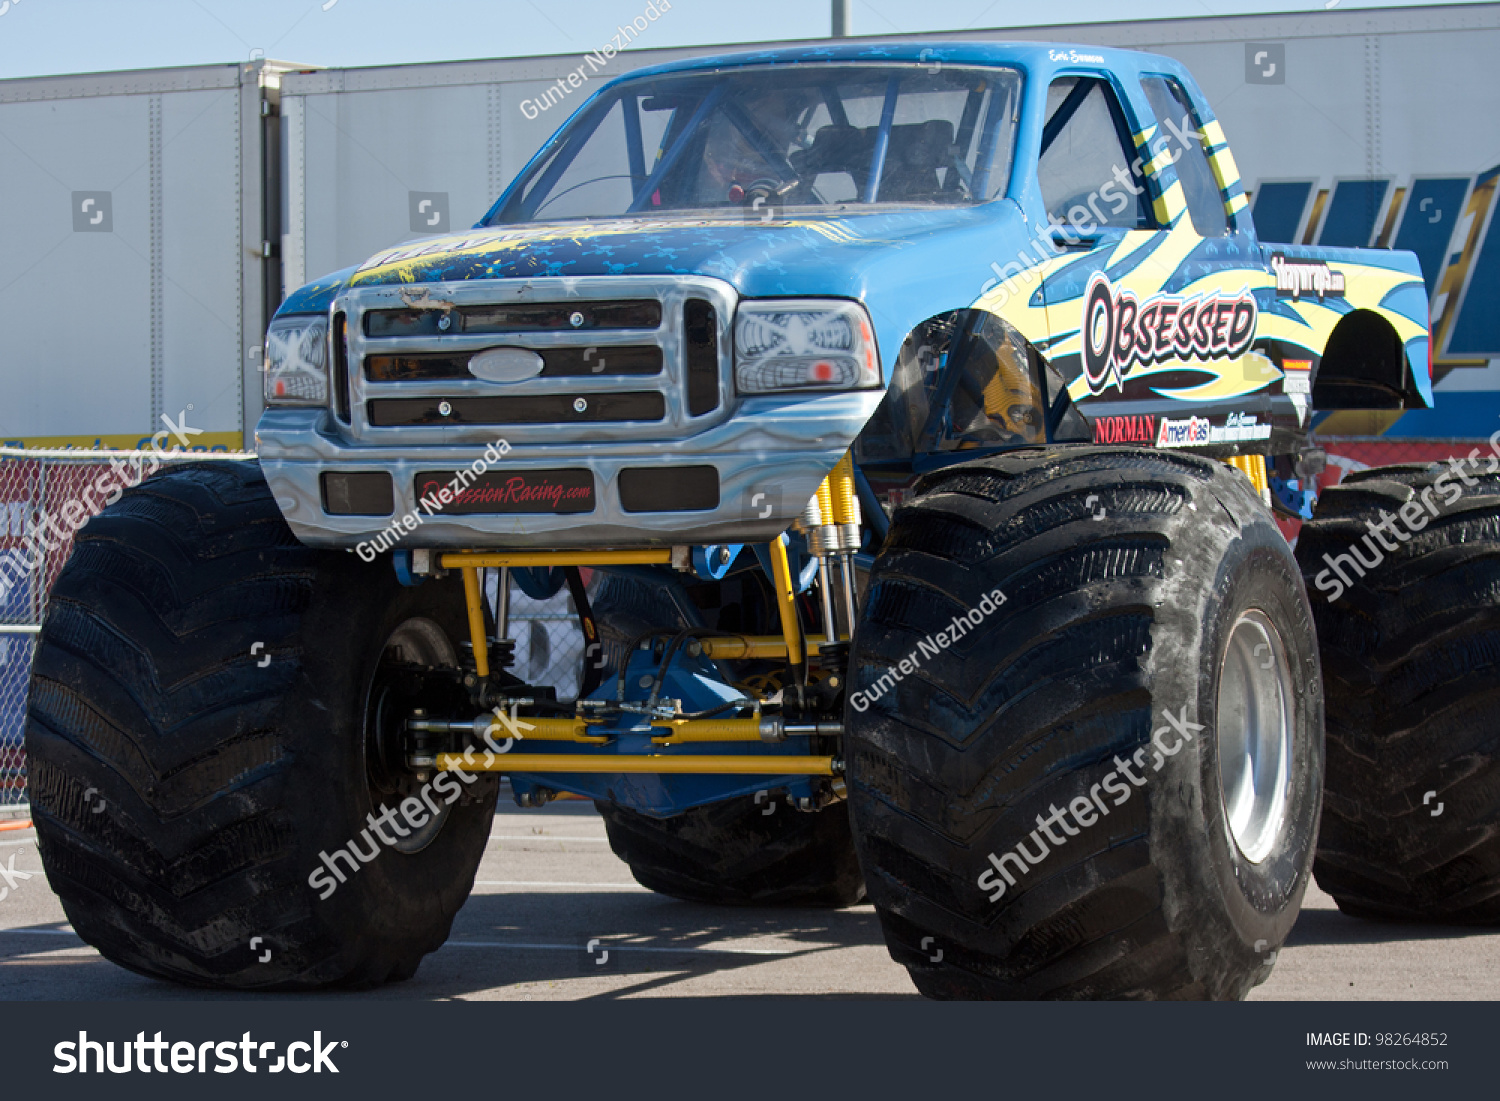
{"type": "Point", "coordinates": [1254, 734]}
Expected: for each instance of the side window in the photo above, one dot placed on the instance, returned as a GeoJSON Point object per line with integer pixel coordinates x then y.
{"type": "Point", "coordinates": [1088, 167]}
{"type": "Point", "coordinates": [1176, 122]}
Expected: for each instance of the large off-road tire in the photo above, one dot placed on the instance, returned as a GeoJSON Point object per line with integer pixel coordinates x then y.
{"type": "Point", "coordinates": [1153, 650]}
{"type": "Point", "coordinates": [742, 852]}
{"type": "Point", "coordinates": [1411, 658]}
{"type": "Point", "coordinates": [196, 740]}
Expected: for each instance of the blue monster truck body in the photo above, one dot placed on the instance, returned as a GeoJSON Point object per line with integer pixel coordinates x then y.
{"type": "Point", "coordinates": [723, 274]}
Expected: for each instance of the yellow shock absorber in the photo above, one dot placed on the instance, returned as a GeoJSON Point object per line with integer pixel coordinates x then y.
{"type": "Point", "coordinates": [822, 539]}
{"type": "Point", "coordinates": [474, 599]}
{"type": "Point", "coordinates": [844, 498]}
{"type": "Point", "coordinates": [1254, 468]}
{"type": "Point", "coordinates": [785, 603]}
{"type": "Point", "coordinates": [847, 521]}
{"type": "Point", "coordinates": [824, 498]}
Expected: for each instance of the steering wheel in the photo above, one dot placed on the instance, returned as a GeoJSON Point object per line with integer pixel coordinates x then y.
{"type": "Point", "coordinates": [762, 192]}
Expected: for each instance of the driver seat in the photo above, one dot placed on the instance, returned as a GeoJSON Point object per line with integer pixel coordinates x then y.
{"type": "Point", "coordinates": [912, 158]}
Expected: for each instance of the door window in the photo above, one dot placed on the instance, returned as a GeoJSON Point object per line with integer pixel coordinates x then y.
{"type": "Point", "coordinates": [1089, 171]}
{"type": "Point", "coordinates": [1176, 123]}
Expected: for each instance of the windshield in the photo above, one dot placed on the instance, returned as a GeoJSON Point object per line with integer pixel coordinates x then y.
{"type": "Point", "coordinates": [788, 138]}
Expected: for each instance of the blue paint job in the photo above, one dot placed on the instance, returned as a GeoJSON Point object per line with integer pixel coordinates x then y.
{"type": "Point", "coordinates": [401, 560]}
{"type": "Point", "coordinates": [1409, 300]}
{"type": "Point", "coordinates": [1421, 372]}
{"type": "Point", "coordinates": [1290, 493]}
{"type": "Point", "coordinates": [1268, 303]}
{"type": "Point", "coordinates": [711, 563]}
{"type": "Point", "coordinates": [905, 265]}
{"type": "Point", "coordinates": [317, 296]}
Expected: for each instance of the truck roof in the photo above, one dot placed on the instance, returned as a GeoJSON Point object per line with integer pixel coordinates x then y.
{"type": "Point", "coordinates": [1037, 58]}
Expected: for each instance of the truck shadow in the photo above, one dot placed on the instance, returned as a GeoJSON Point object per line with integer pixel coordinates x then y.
{"type": "Point", "coordinates": [607, 944]}
{"type": "Point", "coordinates": [648, 942]}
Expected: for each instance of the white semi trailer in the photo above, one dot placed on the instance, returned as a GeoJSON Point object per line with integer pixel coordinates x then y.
{"type": "Point", "coordinates": [137, 267]}
{"type": "Point", "coordinates": [214, 188]}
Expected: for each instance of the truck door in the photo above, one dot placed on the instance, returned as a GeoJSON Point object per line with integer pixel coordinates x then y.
{"type": "Point", "coordinates": [1156, 321]}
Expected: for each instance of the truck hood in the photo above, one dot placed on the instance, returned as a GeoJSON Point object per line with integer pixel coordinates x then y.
{"type": "Point", "coordinates": [905, 265]}
{"type": "Point", "coordinates": [819, 253]}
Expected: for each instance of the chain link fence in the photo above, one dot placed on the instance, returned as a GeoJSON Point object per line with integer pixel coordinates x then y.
{"type": "Point", "coordinates": [1347, 454]}
{"type": "Point", "coordinates": [549, 641]}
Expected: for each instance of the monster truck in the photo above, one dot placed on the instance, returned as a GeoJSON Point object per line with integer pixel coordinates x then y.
{"type": "Point", "coordinates": [907, 424]}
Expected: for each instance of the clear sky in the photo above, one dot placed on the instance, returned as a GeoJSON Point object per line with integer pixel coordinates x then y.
{"type": "Point", "coordinates": [41, 37]}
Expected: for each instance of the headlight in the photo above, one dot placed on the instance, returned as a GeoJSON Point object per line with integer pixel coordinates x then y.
{"type": "Point", "coordinates": [808, 344]}
{"type": "Point", "coordinates": [297, 361]}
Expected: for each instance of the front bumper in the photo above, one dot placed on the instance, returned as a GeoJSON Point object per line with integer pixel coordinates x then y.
{"type": "Point", "coordinates": [770, 456]}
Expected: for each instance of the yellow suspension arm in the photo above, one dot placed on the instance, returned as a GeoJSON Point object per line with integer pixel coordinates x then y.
{"type": "Point", "coordinates": [519, 559]}
{"type": "Point", "coordinates": [700, 764]}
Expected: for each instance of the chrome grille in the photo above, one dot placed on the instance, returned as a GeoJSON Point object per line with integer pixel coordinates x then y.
{"type": "Point", "coordinates": [621, 358]}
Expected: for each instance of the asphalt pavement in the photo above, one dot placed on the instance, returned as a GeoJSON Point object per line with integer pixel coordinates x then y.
{"type": "Point", "coordinates": [555, 916]}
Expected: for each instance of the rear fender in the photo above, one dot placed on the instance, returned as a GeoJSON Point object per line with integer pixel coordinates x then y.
{"type": "Point", "coordinates": [1366, 366]}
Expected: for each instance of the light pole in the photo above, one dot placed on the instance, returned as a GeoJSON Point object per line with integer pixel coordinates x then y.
{"type": "Point", "coordinates": [840, 18]}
